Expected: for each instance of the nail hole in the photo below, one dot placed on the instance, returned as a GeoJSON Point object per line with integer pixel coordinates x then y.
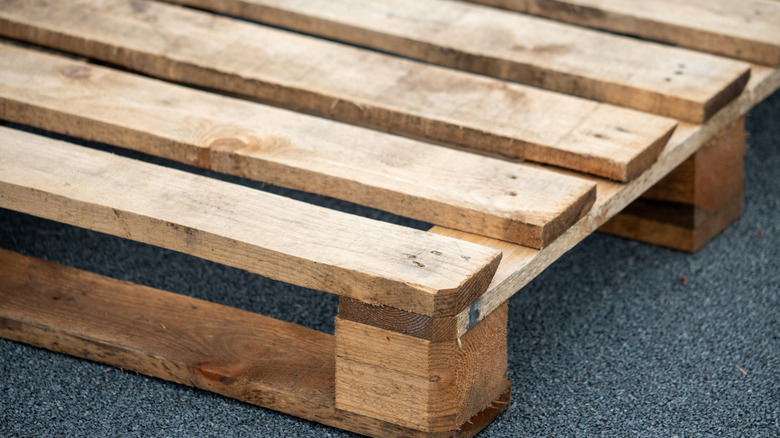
{"type": "Point", "coordinates": [418, 264]}
{"type": "Point", "coordinates": [511, 193]}
{"type": "Point", "coordinates": [436, 253]}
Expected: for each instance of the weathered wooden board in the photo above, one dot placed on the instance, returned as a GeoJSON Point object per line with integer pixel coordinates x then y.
{"type": "Point", "coordinates": [745, 29]}
{"type": "Point", "coordinates": [638, 74]}
{"type": "Point", "coordinates": [262, 233]}
{"type": "Point", "coordinates": [496, 198]}
{"type": "Point", "coordinates": [376, 90]}
{"type": "Point", "coordinates": [239, 354]}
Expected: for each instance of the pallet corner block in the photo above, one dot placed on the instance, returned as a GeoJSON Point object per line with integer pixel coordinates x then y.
{"type": "Point", "coordinates": [434, 385]}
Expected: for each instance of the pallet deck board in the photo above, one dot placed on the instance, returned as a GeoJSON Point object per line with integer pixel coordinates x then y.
{"type": "Point", "coordinates": [642, 75]}
{"type": "Point", "coordinates": [262, 233]}
{"type": "Point", "coordinates": [376, 90]}
{"type": "Point", "coordinates": [239, 354]}
{"type": "Point", "coordinates": [526, 205]}
{"type": "Point", "coordinates": [746, 30]}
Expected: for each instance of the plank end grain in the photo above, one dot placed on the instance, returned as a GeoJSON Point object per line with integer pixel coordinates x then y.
{"type": "Point", "coordinates": [430, 386]}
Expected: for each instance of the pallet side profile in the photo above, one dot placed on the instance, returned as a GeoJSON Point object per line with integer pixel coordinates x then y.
{"type": "Point", "coordinates": [235, 353]}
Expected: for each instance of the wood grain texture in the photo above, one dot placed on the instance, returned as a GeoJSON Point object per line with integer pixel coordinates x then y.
{"type": "Point", "coordinates": [238, 354]}
{"type": "Point", "coordinates": [695, 202]}
{"type": "Point", "coordinates": [377, 90]}
{"type": "Point", "coordinates": [525, 205]}
{"type": "Point", "coordinates": [399, 321]}
{"type": "Point", "coordinates": [748, 29]}
{"type": "Point", "coordinates": [432, 386]}
{"type": "Point", "coordinates": [262, 233]}
{"type": "Point", "coordinates": [642, 75]}
{"type": "Point", "coordinates": [520, 265]}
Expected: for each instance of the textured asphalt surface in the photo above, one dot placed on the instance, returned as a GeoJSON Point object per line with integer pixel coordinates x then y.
{"type": "Point", "coordinates": [609, 341]}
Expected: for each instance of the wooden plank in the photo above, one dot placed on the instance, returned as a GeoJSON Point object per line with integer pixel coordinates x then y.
{"type": "Point", "coordinates": [525, 205]}
{"type": "Point", "coordinates": [519, 265]}
{"type": "Point", "coordinates": [747, 29]}
{"type": "Point", "coordinates": [637, 74]}
{"type": "Point", "coordinates": [234, 225]}
{"type": "Point", "coordinates": [377, 90]}
{"type": "Point", "coordinates": [235, 353]}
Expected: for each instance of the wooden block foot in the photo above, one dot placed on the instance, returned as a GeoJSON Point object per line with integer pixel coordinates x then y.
{"type": "Point", "coordinates": [694, 202]}
{"type": "Point", "coordinates": [434, 386]}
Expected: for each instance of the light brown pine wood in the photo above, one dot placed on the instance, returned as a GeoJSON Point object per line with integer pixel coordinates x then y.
{"type": "Point", "coordinates": [747, 29]}
{"type": "Point", "coordinates": [350, 84]}
{"type": "Point", "coordinates": [399, 321]}
{"type": "Point", "coordinates": [431, 386]}
{"type": "Point", "coordinates": [507, 201]}
{"type": "Point", "coordinates": [519, 265]}
{"type": "Point", "coordinates": [695, 202]}
{"type": "Point", "coordinates": [650, 77]}
{"type": "Point", "coordinates": [235, 353]}
{"type": "Point", "coordinates": [263, 233]}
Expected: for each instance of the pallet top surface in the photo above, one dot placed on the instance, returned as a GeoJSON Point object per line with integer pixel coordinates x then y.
{"type": "Point", "coordinates": [574, 132]}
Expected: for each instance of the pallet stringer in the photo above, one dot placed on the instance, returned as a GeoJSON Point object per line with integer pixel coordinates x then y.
{"type": "Point", "coordinates": [239, 354]}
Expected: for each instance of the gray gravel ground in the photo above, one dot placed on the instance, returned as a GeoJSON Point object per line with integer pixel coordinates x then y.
{"type": "Point", "coordinates": [606, 342]}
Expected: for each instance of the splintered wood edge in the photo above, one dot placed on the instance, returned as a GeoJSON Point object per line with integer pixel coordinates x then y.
{"type": "Point", "coordinates": [520, 264]}
{"type": "Point", "coordinates": [239, 354]}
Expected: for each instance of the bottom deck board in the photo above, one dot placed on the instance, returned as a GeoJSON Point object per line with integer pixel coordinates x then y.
{"type": "Point", "coordinates": [221, 349]}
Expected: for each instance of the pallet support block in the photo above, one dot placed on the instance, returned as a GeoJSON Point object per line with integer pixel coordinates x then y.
{"type": "Point", "coordinates": [423, 379]}
{"type": "Point", "coordinates": [695, 202]}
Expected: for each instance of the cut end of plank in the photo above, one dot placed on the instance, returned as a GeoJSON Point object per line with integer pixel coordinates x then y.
{"type": "Point", "coordinates": [579, 209]}
{"type": "Point", "coordinates": [642, 161]}
{"type": "Point", "coordinates": [452, 301]}
{"type": "Point", "coordinates": [724, 97]}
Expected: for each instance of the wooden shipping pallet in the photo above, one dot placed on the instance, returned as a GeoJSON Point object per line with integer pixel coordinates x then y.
{"type": "Point", "coordinates": [516, 136]}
